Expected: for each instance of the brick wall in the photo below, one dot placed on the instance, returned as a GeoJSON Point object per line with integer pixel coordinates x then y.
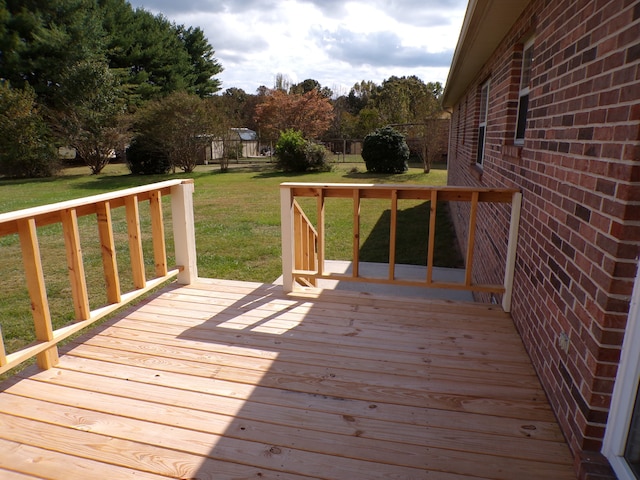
{"type": "Point", "coordinates": [579, 171]}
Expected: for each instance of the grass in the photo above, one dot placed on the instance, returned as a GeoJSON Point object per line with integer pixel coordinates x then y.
{"type": "Point", "coordinates": [237, 221]}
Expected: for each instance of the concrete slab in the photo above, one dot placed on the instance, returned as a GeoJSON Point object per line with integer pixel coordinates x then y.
{"type": "Point", "coordinates": [404, 272]}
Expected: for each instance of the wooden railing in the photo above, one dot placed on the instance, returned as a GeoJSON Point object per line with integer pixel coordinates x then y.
{"type": "Point", "coordinates": [305, 246]}
{"type": "Point", "coordinates": [26, 222]}
{"type": "Point", "coordinates": [296, 246]}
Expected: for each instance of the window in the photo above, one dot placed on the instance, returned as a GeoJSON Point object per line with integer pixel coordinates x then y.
{"type": "Point", "coordinates": [632, 447]}
{"type": "Point", "coordinates": [523, 93]}
{"type": "Point", "coordinates": [482, 121]}
{"type": "Point", "coordinates": [621, 443]}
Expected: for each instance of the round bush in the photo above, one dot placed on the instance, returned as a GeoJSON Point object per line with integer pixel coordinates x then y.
{"type": "Point", "coordinates": [385, 151]}
{"type": "Point", "coordinates": [316, 157]}
{"type": "Point", "coordinates": [290, 151]}
{"type": "Point", "coordinates": [144, 159]}
{"type": "Point", "coordinates": [295, 154]}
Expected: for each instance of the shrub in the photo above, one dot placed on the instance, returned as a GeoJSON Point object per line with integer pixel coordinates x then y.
{"type": "Point", "coordinates": [145, 159]}
{"type": "Point", "coordinates": [295, 154]}
{"type": "Point", "coordinates": [290, 151]}
{"type": "Point", "coordinates": [385, 151]}
{"type": "Point", "coordinates": [317, 158]}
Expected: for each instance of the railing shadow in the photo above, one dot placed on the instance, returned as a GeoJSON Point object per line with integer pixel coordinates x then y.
{"type": "Point", "coordinates": [411, 243]}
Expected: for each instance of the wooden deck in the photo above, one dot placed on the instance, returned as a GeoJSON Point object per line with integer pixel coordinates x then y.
{"type": "Point", "coordinates": [236, 380]}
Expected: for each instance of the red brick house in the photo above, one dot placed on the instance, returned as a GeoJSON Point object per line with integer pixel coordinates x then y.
{"type": "Point", "coordinates": [545, 96]}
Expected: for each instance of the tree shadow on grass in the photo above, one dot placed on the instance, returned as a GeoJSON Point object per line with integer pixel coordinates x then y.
{"type": "Point", "coordinates": [412, 238]}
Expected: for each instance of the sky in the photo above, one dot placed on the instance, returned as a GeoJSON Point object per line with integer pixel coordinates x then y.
{"type": "Point", "coordinates": [336, 42]}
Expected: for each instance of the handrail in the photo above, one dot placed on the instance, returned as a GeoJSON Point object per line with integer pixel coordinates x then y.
{"type": "Point", "coordinates": [26, 222]}
{"type": "Point", "coordinates": [292, 271]}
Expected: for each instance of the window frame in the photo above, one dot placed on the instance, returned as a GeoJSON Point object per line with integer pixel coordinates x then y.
{"type": "Point", "coordinates": [624, 391]}
{"type": "Point", "coordinates": [524, 92]}
{"type": "Point", "coordinates": [483, 115]}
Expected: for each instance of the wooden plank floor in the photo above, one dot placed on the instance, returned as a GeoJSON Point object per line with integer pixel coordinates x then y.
{"type": "Point", "coordinates": [234, 380]}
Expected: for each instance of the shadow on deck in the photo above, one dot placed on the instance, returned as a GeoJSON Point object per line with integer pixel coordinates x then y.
{"type": "Point", "coordinates": [223, 379]}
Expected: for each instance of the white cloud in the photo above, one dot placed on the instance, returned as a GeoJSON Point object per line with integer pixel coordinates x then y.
{"type": "Point", "coordinates": [335, 42]}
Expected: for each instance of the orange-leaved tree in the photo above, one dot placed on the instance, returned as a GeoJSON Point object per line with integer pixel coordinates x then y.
{"type": "Point", "coordinates": [310, 113]}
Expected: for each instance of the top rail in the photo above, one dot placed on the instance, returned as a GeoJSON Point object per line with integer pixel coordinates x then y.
{"type": "Point", "coordinates": [51, 213]}
{"type": "Point", "coordinates": [26, 222]}
{"type": "Point", "coordinates": [293, 272]}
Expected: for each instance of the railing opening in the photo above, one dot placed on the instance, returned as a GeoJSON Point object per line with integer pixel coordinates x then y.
{"type": "Point", "coordinates": [64, 219]}
{"type": "Point", "coordinates": [304, 244]}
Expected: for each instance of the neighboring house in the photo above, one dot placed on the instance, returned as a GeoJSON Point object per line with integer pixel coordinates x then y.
{"type": "Point", "coordinates": [240, 143]}
{"type": "Point", "coordinates": [545, 96]}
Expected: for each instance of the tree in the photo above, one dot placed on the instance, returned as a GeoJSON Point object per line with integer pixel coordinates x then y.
{"type": "Point", "coordinates": [414, 107]}
{"type": "Point", "coordinates": [308, 85]}
{"type": "Point", "coordinates": [42, 40]}
{"type": "Point", "coordinates": [282, 82]}
{"type": "Point", "coordinates": [180, 125]}
{"type": "Point", "coordinates": [360, 95]}
{"type": "Point", "coordinates": [406, 100]}
{"type": "Point", "coordinates": [309, 113]}
{"type": "Point", "coordinates": [26, 149]}
{"type": "Point", "coordinates": [156, 57]}
{"type": "Point", "coordinates": [90, 116]}
{"type": "Point", "coordinates": [203, 65]}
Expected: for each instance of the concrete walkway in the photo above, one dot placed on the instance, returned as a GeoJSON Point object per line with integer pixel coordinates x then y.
{"type": "Point", "coordinates": [405, 272]}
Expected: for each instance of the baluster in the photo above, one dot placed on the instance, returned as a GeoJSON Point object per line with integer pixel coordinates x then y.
{"type": "Point", "coordinates": [135, 241]}
{"type": "Point", "coordinates": [75, 264]}
{"type": "Point", "coordinates": [108, 249]}
{"type": "Point", "coordinates": [393, 224]}
{"type": "Point", "coordinates": [157, 234]}
{"type": "Point", "coordinates": [432, 234]}
{"type": "Point", "coordinates": [356, 233]}
{"type": "Point", "coordinates": [3, 352]}
{"type": "Point", "coordinates": [37, 291]}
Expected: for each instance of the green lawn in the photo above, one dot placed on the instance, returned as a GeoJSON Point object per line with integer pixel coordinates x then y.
{"type": "Point", "coordinates": [237, 216]}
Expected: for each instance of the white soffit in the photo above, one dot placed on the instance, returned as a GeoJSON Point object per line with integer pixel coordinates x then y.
{"type": "Point", "coordinates": [486, 23]}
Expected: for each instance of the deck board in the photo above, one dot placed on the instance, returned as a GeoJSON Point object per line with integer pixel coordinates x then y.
{"type": "Point", "coordinates": [226, 379]}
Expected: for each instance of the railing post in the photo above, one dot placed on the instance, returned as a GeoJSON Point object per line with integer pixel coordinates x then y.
{"type": "Point", "coordinates": [184, 231]}
{"type": "Point", "coordinates": [286, 225]}
{"type": "Point", "coordinates": [510, 266]}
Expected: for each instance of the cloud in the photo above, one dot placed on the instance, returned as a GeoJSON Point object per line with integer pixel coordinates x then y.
{"type": "Point", "coordinates": [172, 8]}
{"type": "Point", "coordinates": [377, 49]}
{"type": "Point", "coordinates": [422, 13]}
{"type": "Point", "coordinates": [336, 42]}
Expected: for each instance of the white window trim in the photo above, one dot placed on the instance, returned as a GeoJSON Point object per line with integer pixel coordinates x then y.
{"type": "Point", "coordinates": [483, 123]}
{"type": "Point", "coordinates": [522, 91]}
{"type": "Point", "coordinates": [624, 391]}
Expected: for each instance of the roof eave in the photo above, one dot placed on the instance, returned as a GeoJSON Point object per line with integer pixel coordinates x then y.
{"type": "Point", "coordinates": [486, 23]}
